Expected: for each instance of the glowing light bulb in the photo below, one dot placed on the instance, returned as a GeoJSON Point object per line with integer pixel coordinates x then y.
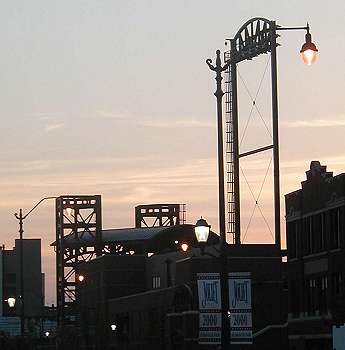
{"type": "Point", "coordinates": [11, 302]}
{"type": "Point", "coordinates": [308, 50]}
{"type": "Point", "coordinates": [202, 230]}
{"type": "Point", "coordinates": [309, 56]}
{"type": "Point", "coordinates": [184, 247]}
{"type": "Point", "coordinates": [81, 278]}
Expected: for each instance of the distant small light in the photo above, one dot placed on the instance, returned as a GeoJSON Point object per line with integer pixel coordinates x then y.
{"type": "Point", "coordinates": [176, 242]}
{"type": "Point", "coordinates": [184, 247]}
{"type": "Point", "coordinates": [150, 254]}
{"type": "Point", "coordinates": [47, 334]}
{"type": "Point", "coordinates": [81, 278]}
{"type": "Point", "coordinates": [113, 327]}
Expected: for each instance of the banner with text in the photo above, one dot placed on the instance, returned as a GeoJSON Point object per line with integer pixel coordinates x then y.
{"type": "Point", "coordinates": [240, 306]}
{"type": "Point", "coordinates": [210, 318]}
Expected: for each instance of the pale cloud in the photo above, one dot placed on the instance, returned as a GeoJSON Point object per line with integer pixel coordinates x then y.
{"type": "Point", "coordinates": [318, 123]}
{"type": "Point", "coordinates": [185, 123]}
{"type": "Point", "coordinates": [45, 118]}
{"type": "Point", "coordinates": [14, 168]}
{"type": "Point", "coordinates": [111, 115]}
{"type": "Point", "coordinates": [42, 115]}
{"type": "Point", "coordinates": [55, 126]}
{"type": "Point", "coordinates": [10, 167]}
{"type": "Point", "coordinates": [133, 171]}
{"type": "Point", "coordinates": [159, 124]}
{"type": "Point", "coordinates": [115, 175]}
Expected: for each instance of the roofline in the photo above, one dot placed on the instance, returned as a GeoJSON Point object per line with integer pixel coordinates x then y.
{"type": "Point", "coordinates": [162, 229]}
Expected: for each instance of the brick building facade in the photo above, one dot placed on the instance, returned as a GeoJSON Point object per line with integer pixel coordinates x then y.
{"type": "Point", "coordinates": [315, 227]}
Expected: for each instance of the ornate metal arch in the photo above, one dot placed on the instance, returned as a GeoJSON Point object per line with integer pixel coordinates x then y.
{"type": "Point", "coordinates": [252, 39]}
{"type": "Point", "coordinates": [255, 37]}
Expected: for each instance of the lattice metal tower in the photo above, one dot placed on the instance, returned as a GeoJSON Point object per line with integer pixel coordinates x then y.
{"type": "Point", "coordinates": [80, 218]}
{"type": "Point", "coordinates": [151, 215]}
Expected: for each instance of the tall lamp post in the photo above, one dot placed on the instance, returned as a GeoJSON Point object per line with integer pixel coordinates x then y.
{"type": "Point", "coordinates": [218, 69]}
{"type": "Point", "coordinates": [21, 217]}
{"type": "Point", "coordinates": [255, 37]}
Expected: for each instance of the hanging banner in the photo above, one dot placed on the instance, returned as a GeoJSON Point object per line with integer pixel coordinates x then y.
{"type": "Point", "coordinates": [240, 306]}
{"type": "Point", "coordinates": [210, 318]}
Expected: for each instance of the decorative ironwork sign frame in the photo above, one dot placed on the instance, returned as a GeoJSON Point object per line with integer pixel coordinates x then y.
{"type": "Point", "coordinates": [252, 39]}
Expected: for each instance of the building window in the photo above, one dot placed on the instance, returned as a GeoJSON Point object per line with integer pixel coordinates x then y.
{"type": "Point", "coordinates": [336, 283]}
{"type": "Point", "coordinates": [156, 282]}
{"type": "Point", "coordinates": [323, 285]}
{"type": "Point", "coordinates": [334, 228]}
{"type": "Point", "coordinates": [307, 236]}
{"type": "Point", "coordinates": [318, 236]}
{"type": "Point", "coordinates": [323, 237]}
{"type": "Point", "coordinates": [311, 296]}
{"type": "Point", "coordinates": [292, 240]}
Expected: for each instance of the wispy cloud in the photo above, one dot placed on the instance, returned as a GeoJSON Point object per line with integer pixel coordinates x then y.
{"type": "Point", "coordinates": [111, 115]}
{"type": "Point", "coordinates": [46, 116]}
{"type": "Point", "coordinates": [188, 123]}
{"type": "Point", "coordinates": [51, 127]}
{"type": "Point", "coordinates": [318, 123]}
{"type": "Point", "coordinates": [12, 168]}
{"type": "Point", "coordinates": [158, 123]}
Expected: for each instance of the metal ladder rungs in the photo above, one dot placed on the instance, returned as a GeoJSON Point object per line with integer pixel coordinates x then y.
{"type": "Point", "coordinates": [229, 155]}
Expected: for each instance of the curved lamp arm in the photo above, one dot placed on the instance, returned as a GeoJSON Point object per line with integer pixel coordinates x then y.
{"type": "Point", "coordinates": [33, 208]}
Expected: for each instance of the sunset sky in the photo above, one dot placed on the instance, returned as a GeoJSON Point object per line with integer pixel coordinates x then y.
{"type": "Point", "coordinates": [114, 98]}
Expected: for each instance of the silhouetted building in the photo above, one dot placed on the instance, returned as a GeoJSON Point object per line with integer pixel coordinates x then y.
{"type": "Point", "coordinates": [315, 227]}
{"type": "Point", "coordinates": [152, 298]}
{"type": "Point", "coordinates": [269, 304]}
{"type": "Point", "coordinates": [33, 281]}
{"type": "Point", "coordinates": [147, 262]}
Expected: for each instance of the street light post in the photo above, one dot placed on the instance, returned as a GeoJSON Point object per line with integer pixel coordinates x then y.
{"type": "Point", "coordinates": [20, 217]}
{"type": "Point", "coordinates": [250, 41]}
{"type": "Point", "coordinates": [218, 69]}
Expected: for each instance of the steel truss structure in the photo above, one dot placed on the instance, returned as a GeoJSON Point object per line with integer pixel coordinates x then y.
{"type": "Point", "coordinates": [152, 215]}
{"type": "Point", "coordinates": [257, 36]}
{"type": "Point", "coordinates": [79, 238]}
{"type": "Point", "coordinates": [79, 217]}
